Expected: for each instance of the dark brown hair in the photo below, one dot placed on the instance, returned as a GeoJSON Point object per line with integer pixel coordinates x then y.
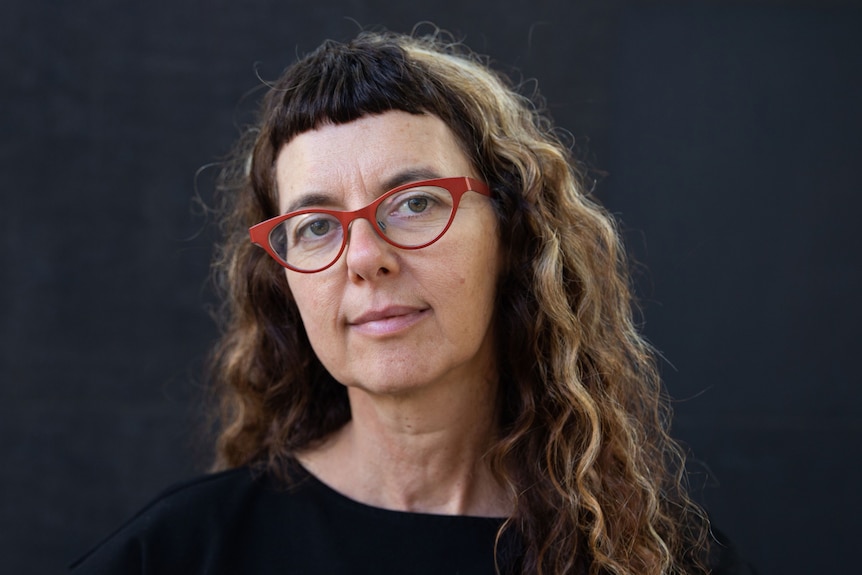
{"type": "Point", "coordinates": [583, 446]}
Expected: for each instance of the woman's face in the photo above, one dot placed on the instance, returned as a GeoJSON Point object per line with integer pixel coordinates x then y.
{"type": "Point", "coordinates": [383, 319]}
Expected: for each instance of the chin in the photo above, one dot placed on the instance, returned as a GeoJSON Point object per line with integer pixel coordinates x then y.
{"type": "Point", "coordinates": [390, 386]}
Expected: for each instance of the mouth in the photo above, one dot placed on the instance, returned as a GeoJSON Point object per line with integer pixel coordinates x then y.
{"type": "Point", "coordinates": [388, 321]}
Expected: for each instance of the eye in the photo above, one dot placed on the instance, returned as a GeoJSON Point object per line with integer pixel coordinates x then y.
{"type": "Point", "coordinates": [317, 227]}
{"type": "Point", "coordinates": [417, 204]}
{"type": "Point", "coordinates": [421, 207]}
{"type": "Point", "coordinates": [313, 227]}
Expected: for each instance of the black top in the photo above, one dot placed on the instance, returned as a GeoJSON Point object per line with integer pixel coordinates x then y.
{"type": "Point", "coordinates": [234, 523]}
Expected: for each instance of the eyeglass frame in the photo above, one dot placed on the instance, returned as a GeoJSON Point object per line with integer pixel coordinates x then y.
{"type": "Point", "coordinates": [456, 186]}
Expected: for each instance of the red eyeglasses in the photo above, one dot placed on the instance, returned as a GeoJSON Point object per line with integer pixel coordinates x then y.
{"type": "Point", "coordinates": [411, 217]}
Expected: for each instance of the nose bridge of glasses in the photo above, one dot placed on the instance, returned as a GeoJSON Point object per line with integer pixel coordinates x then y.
{"type": "Point", "coordinates": [376, 228]}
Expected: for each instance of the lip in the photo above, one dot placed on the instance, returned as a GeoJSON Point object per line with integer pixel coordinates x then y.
{"type": "Point", "coordinates": [388, 320]}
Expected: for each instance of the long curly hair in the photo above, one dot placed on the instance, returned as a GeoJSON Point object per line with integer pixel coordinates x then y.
{"type": "Point", "coordinates": [583, 446]}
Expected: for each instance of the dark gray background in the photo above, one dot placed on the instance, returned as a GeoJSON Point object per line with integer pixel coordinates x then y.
{"type": "Point", "coordinates": [726, 137]}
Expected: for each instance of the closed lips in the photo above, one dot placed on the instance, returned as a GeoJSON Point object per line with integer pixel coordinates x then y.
{"type": "Point", "coordinates": [384, 314]}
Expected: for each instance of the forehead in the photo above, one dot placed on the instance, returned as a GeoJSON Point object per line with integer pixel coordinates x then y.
{"type": "Point", "coordinates": [363, 155]}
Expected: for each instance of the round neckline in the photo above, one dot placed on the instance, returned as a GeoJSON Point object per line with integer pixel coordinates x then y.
{"type": "Point", "coordinates": [333, 495]}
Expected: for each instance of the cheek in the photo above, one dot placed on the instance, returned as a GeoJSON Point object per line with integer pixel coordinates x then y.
{"type": "Point", "coordinates": [315, 303]}
{"type": "Point", "coordinates": [466, 285]}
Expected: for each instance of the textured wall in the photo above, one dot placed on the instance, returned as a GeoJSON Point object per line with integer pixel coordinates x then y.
{"type": "Point", "coordinates": [729, 135]}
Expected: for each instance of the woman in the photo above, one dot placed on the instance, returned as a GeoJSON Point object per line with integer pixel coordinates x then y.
{"type": "Point", "coordinates": [429, 363]}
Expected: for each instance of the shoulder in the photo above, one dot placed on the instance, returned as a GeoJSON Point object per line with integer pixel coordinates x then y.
{"type": "Point", "coordinates": [187, 527]}
{"type": "Point", "coordinates": [192, 499]}
{"type": "Point", "coordinates": [198, 494]}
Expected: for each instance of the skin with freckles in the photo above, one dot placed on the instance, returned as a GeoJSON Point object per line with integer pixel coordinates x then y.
{"type": "Point", "coordinates": [409, 332]}
{"type": "Point", "coordinates": [383, 319]}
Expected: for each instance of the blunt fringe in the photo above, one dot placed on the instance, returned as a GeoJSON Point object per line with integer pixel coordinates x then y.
{"type": "Point", "coordinates": [583, 446]}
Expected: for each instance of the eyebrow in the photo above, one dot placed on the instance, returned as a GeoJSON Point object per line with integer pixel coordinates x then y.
{"type": "Point", "coordinates": [407, 176]}
{"type": "Point", "coordinates": [309, 200]}
{"type": "Point", "coordinates": [312, 199]}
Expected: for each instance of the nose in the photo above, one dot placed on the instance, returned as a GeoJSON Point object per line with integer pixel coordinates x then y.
{"type": "Point", "coordinates": [369, 256]}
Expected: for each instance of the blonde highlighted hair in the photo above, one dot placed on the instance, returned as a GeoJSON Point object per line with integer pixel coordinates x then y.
{"type": "Point", "coordinates": [583, 445]}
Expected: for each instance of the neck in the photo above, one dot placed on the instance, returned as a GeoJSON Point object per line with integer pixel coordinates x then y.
{"type": "Point", "coordinates": [415, 452]}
